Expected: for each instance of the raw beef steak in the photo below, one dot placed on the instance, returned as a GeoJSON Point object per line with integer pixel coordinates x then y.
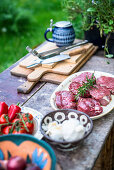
{"type": "Point", "coordinates": [82, 77]}
{"type": "Point", "coordinates": [89, 106]}
{"type": "Point", "coordinates": [65, 100]}
{"type": "Point", "coordinates": [101, 94]}
{"type": "Point", "coordinates": [74, 86]}
{"type": "Point", "coordinates": [107, 82]}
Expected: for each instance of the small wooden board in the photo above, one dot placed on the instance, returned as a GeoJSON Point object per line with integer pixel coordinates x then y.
{"type": "Point", "coordinates": [46, 47]}
{"type": "Point", "coordinates": [52, 73]}
{"type": "Point", "coordinates": [20, 71]}
{"type": "Point", "coordinates": [51, 77]}
{"type": "Point", "coordinates": [26, 87]}
{"type": "Point", "coordinates": [76, 54]}
{"type": "Point", "coordinates": [63, 68]}
{"type": "Point", "coordinates": [24, 72]}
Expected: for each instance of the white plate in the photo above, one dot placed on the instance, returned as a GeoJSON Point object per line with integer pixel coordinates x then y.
{"type": "Point", "coordinates": [37, 117]}
{"type": "Point", "coordinates": [65, 84]}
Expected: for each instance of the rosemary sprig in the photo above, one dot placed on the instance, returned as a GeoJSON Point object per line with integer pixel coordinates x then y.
{"type": "Point", "coordinates": [86, 86]}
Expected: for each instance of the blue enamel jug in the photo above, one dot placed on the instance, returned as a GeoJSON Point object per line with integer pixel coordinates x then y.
{"type": "Point", "coordinates": [63, 33]}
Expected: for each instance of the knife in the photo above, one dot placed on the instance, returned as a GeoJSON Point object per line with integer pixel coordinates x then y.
{"type": "Point", "coordinates": [51, 53]}
{"type": "Point", "coordinates": [54, 59]}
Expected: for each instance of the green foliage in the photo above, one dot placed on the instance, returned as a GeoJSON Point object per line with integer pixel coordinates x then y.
{"type": "Point", "coordinates": [12, 18]}
{"type": "Point", "coordinates": [74, 15]}
{"type": "Point", "coordinates": [13, 46]}
{"type": "Point", "coordinates": [93, 12]}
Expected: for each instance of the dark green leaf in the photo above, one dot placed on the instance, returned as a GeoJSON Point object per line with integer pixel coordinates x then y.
{"type": "Point", "coordinates": [110, 22]}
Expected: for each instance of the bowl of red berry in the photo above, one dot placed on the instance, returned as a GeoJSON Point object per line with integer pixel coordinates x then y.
{"type": "Point", "coordinates": [18, 120]}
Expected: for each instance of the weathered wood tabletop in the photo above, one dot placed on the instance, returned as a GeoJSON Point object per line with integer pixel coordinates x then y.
{"type": "Point", "coordinates": [97, 151]}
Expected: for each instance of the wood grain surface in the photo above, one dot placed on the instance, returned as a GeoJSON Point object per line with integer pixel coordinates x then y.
{"type": "Point", "coordinates": [46, 47]}
{"type": "Point", "coordinates": [64, 68]}
{"type": "Point", "coordinates": [94, 153]}
{"type": "Point", "coordinates": [76, 54]}
{"type": "Point", "coordinates": [86, 156]}
{"type": "Point", "coordinates": [49, 77]}
{"type": "Point", "coordinates": [21, 71]}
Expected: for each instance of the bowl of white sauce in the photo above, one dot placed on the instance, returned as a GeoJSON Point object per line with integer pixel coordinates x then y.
{"type": "Point", "coordinates": [66, 128]}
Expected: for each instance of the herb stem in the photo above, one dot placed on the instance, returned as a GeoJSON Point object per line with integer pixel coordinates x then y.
{"type": "Point", "coordinates": [86, 86]}
{"type": "Point", "coordinates": [23, 122]}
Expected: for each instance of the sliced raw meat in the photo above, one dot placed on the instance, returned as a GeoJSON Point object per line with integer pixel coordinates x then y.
{"type": "Point", "coordinates": [65, 100]}
{"type": "Point", "coordinates": [74, 86]}
{"type": "Point", "coordinates": [89, 106]}
{"type": "Point", "coordinates": [101, 94]}
{"type": "Point", "coordinates": [83, 77]}
{"type": "Point", "coordinates": [107, 82]}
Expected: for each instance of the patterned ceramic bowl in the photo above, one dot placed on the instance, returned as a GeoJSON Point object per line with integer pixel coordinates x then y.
{"type": "Point", "coordinates": [28, 147]}
{"type": "Point", "coordinates": [61, 115]}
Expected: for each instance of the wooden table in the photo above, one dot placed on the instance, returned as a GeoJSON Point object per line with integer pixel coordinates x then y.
{"type": "Point", "coordinates": [97, 151]}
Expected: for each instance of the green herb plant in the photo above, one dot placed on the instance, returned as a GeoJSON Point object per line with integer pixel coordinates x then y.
{"type": "Point", "coordinates": [93, 12]}
{"type": "Point", "coordinates": [86, 86]}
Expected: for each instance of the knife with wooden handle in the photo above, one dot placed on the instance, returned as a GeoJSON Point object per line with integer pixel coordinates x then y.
{"type": "Point", "coordinates": [49, 60]}
{"type": "Point", "coordinates": [63, 56]}
{"type": "Point", "coordinates": [51, 53]}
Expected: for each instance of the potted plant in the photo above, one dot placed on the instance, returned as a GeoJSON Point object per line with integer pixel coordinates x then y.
{"type": "Point", "coordinates": [96, 14]}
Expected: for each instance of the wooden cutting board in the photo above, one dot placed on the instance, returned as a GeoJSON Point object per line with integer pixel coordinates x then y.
{"type": "Point", "coordinates": [76, 53]}
{"type": "Point", "coordinates": [50, 46]}
{"type": "Point", "coordinates": [62, 69]}
{"type": "Point", "coordinates": [21, 70]}
{"type": "Point", "coordinates": [49, 77]}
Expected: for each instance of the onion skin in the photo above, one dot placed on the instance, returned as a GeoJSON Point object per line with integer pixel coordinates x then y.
{"type": "Point", "coordinates": [16, 163]}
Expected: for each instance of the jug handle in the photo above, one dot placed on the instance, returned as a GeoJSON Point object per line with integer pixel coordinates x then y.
{"type": "Point", "coordinates": [45, 34]}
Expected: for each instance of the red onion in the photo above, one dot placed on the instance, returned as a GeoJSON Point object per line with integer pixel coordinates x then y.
{"type": "Point", "coordinates": [16, 163]}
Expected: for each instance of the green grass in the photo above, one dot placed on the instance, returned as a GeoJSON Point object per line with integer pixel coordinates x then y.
{"type": "Point", "coordinates": [12, 46]}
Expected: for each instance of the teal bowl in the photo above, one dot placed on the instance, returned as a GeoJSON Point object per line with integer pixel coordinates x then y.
{"type": "Point", "coordinates": [28, 147]}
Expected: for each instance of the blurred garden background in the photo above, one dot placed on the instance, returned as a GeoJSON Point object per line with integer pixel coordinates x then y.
{"type": "Point", "coordinates": [23, 22]}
